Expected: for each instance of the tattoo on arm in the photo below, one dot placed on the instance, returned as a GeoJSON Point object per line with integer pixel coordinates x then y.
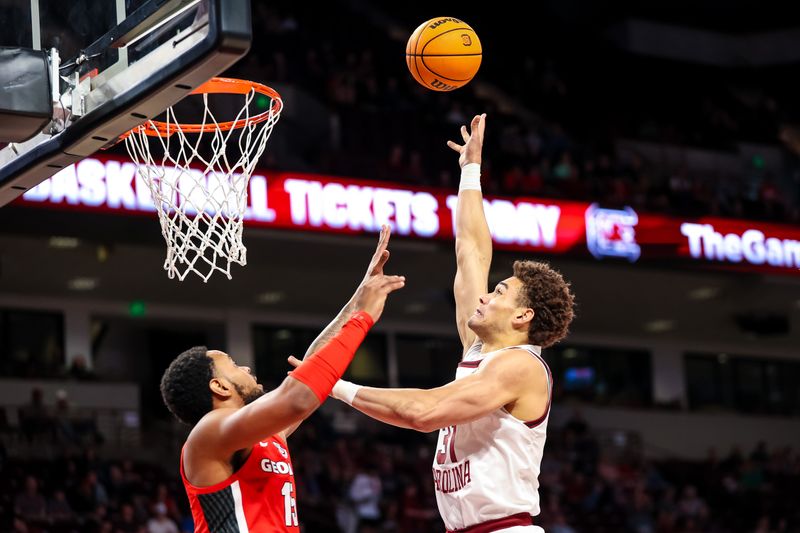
{"type": "Point", "coordinates": [332, 329]}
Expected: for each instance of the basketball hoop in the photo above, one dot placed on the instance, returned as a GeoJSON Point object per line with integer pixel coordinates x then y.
{"type": "Point", "coordinates": [201, 198]}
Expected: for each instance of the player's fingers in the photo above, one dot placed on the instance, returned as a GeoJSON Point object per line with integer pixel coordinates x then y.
{"type": "Point", "coordinates": [391, 287]}
{"type": "Point", "coordinates": [464, 134]}
{"type": "Point", "coordinates": [482, 126]}
{"type": "Point", "coordinates": [384, 237]}
{"type": "Point", "coordinates": [454, 146]}
{"type": "Point", "coordinates": [383, 242]}
{"type": "Point", "coordinates": [475, 126]}
{"type": "Point", "coordinates": [382, 261]}
{"type": "Point", "coordinates": [388, 280]}
{"type": "Point", "coordinates": [294, 361]}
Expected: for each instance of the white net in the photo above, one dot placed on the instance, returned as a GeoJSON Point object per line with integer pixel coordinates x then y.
{"type": "Point", "coordinates": [198, 189]}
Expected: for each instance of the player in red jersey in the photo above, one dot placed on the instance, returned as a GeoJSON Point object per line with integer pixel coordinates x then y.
{"type": "Point", "coordinates": [235, 464]}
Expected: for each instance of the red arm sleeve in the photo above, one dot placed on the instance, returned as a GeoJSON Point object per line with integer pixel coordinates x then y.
{"type": "Point", "coordinates": [321, 370]}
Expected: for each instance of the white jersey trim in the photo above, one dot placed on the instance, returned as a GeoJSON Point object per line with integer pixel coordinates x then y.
{"type": "Point", "coordinates": [241, 521]}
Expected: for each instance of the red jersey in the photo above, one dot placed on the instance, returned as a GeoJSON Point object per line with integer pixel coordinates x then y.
{"type": "Point", "coordinates": [258, 498]}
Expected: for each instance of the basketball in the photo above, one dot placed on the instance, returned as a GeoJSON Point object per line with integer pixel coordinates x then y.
{"type": "Point", "coordinates": [443, 53]}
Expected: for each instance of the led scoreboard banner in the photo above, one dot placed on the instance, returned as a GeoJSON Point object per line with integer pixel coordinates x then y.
{"type": "Point", "coordinates": [311, 202]}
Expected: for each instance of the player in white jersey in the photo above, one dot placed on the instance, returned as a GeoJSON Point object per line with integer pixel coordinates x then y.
{"type": "Point", "coordinates": [492, 419]}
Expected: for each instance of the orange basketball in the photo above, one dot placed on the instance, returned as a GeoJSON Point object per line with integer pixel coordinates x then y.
{"type": "Point", "coordinates": [443, 54]}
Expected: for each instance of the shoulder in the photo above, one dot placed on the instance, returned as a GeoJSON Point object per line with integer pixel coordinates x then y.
{"type": "Point", "coordinates": [515, 365]}
{"type": "Point", "coordinates": [206, 434]}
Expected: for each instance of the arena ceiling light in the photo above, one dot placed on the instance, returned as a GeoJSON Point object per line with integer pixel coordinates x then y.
{"type": "Point", "coordinates": [659, 325]}
{"type": "Point", "coordinates": [269, 297]}
{"type": "Point", "coordinates": [58, 241]}
{"type": "Point", "coordinates": [82, 284]}
{"type": "Point", "coordinates": [704, 293]}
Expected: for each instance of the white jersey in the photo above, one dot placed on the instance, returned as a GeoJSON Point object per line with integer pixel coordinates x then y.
{"type": "Point", "coordinates": [488, 470]}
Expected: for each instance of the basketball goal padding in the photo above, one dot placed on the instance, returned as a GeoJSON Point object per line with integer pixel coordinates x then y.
{"type": "Point", "coordinates": [141, 85]}
{"type": "Point", "coordinates": [25, 104]}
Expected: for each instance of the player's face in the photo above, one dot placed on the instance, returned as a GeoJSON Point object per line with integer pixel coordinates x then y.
{"type": "Point", "coordinates": [496, 309]}
{"type": "Point", "coordinates": [242, 379]}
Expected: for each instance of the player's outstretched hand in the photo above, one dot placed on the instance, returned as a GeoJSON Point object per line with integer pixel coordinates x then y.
{"type": "Point", "coordinates": [380, 256]}
{"type": "Point", "coordinates": [473, 141]}
{"type": "Point", "coordinates": [371, 295]}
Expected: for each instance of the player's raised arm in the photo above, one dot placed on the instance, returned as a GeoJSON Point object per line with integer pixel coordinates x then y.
{"type": "Point", "coordinates": [229, 430]}
{"type": "Point", "coordinates": [473, 240]}
{"type": "Point", "coordinates": [375, 268]}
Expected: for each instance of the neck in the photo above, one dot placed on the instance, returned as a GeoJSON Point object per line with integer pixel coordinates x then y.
{"type": "Point", "coordinates": [497, 342]}
{"type": "Point", "coordinates": [231, 401]}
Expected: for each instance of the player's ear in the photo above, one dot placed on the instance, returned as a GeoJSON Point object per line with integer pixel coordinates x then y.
{"type": "Point", "coordinates": [524, 316]}
{"type": "Point", "coordinates": [220, 387]}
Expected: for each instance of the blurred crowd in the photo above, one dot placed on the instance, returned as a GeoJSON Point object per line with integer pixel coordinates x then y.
{"type": "Point", "coordinates": [386, 126]}
{"type": "Point", "coordinates": [61, 424]}
{"type": "Point", "coordinates": [588, 488]}
{"type": "Point", "coordinates": [379, 481]}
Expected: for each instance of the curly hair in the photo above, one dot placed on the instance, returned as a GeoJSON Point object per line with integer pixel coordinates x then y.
{"type": "Point", "coordinates": [184, 386]}
{"type": "Point", "coordinates": [545, 291]}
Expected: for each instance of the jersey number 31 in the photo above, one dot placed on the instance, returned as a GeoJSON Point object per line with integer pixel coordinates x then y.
{"type": "Point", "coordinates": [447, 443]}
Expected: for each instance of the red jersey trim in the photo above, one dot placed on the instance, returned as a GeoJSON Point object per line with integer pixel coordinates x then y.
{"type": "Point", "coordinates": [533, 423]}
{"type": "Point", "coordinates": [519, 519]}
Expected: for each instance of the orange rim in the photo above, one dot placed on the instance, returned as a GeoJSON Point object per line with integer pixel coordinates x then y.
{"type": "Point", "coordinates": [156, 128]}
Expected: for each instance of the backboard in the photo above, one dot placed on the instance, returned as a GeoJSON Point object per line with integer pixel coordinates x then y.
{"type": "Point", "coordinates": [113, 65]}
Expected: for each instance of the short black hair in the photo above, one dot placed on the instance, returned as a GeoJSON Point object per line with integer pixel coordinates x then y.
{"type": "Point", "coordinates": [184, 386]}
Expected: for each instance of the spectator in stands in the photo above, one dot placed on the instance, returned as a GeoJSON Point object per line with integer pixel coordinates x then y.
{"type": "Point", "coordinates": [64, 430]}
{"type": "Point", "coordinates": [565, 171]}
{"type": "Point", "coordinates": [752, 475]}
{"type": "Point", "coordinates": [118, 488]}
{"type": "Point", "coordinates": [691, 505]}
{"type": "Point", "coordinates": [365, 492]}
{"type": "Point", "coordinates": [640, 513]}
{"type": "Point", "coordinates": [89, 494]}
{"type": "Point", "coordinates": [79, 369]}
{"type": "Point", "coordinates": [58, 508]}
{"type": "Point", "coordinates": [34, 418]}
{"type": "Point", "coordinates": [160, 522]}
{"type": "Point", "coordinates": [30, 504]}
{"type": "Point", "coordinates": [126, 521]}
{"type": "Point", "coordinates": [163, 496]}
